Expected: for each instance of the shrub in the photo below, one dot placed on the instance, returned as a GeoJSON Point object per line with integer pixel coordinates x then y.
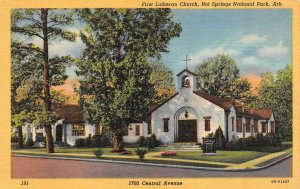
{"type": "Point", "coordinates": [98, 153]}
{"type": "Point", "coordinates": [273, 139]}
{"type": "Point", "coordinates": [220, 139]}
{"type": "Point", "coordinates": [152, 142]}
{"type": "Point", "coordinates": [141, 142]}
{"type": "Point", "coordinates": [105, 141]}
{"type": "Point", "coordinates": [96, 141]}
{"type": "Point", "coordinates": [261, 140]}
{"type": "Point", "coordinates": [250, 141]}
{"type": "Point", "coordinates": [88, 141]}
{"type": "Point", "coordinates": [29, 142]}
{"type": "Point", "coordinates": [80, 143]}
{"type": "Point", "coordinates": [141, 153]}
{"type": "Point", "coordinates": [14, 138]}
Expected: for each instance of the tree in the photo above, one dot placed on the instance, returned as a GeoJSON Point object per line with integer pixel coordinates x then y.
{"type": "Point", "coordinates": [219, 76]}
{"type": "Point", "coordinates": [162, 79]}
{"type": "Point", "coordinates": [275, 91]}
{"type": "Point", "coordinates": [114, 67]}
{"type": "Point", "coordinates": [19, 120]}
{"type": "Point", "coordinates": [46, 25]}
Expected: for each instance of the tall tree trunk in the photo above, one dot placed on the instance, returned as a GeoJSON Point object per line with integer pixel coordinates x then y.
{"type": "Point", "coordinates": [46, 85]}
{"type": "Point", "coordinates": [49, 139]}
{"type": "Point", "coordinates": [20, 137]}
{"type": "Point", "coordinates": [116, 139]}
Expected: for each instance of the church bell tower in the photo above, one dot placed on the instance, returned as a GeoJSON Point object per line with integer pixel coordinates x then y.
{"type": "Point", "coordinates": [186, 79]}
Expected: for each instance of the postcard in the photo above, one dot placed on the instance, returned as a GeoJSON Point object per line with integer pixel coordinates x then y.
{"type": "Point", "coordinates": [149, 94]}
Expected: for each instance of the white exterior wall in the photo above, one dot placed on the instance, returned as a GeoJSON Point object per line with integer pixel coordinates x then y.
{"type": "Point", "coordinates": [89, 129]}
{"type": "Point", "coordinates": [269, 123]}
{"type": "Point", "coordinates": [201, 106]}
{"type": "Point", "coordinates": [231, 134]}
{"type": "Point", "coordinates": [131, 137]}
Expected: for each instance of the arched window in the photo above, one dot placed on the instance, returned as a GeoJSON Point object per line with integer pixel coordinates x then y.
{"type": "Point", "coordinates": [185, 81]}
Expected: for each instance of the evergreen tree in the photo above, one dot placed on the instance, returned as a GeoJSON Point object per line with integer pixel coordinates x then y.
{"type": "Point", "coordinates": [44, 72]}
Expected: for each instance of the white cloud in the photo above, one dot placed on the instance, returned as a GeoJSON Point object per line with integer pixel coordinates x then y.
{"type": "Point", "coordinates": [66, 48]}
{"type": "Point", "coordinates": [273, 52]}
{"type": "Point", "coordinates": [62, 48]}
{"type": "Point", "coordinates": [252, 39]}
{"type": "Point", "coordinates": [250, 60]}
{"type": "Point", "coordinates": [208, 53]}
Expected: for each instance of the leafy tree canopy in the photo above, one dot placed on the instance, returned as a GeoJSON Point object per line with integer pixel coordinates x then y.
{"type": "Point", "coordinates": [162, 79]}
{"type": "Point", "coordinates": [275, 91]}
{"type": "Point", "coordinates": [219, 76]}
{"type": "Point", "coordinates": [114, 69]}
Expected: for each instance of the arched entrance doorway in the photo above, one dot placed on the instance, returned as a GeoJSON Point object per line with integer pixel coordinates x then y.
{"type": "Point", "coordinates": [59, 133]}
{"type": "Point", "coordinates": [186, 128]}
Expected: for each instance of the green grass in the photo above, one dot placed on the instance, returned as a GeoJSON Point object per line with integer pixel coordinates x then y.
{"type": "Point", "coordinates": [137, 160]}
{"type": "Point", "coordinates": [77, 150]}
{"type": "Point", "coordinates": [222, 156]}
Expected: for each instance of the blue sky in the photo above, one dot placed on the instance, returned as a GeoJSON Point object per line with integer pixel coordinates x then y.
{"type": "Point", "coordinates": [258, 40]}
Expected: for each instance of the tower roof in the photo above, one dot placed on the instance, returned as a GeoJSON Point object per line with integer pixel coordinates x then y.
{"type": "Point", "coordinates": [186, 70]}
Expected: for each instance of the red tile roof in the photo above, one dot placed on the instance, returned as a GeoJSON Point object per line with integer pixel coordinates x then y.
{"type": "Point", "coordinates": [224, 103]}
{"type": "Point", "coordinates": [263, 113]}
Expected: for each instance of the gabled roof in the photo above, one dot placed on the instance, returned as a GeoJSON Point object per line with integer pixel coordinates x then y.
{"type": "Point", "coordinates": [224, 103]}
{"type": "Point", "coordinates": [71, 113]}
{"type": "Point", "coordinates": [186, 70]}
{"type": "Point", "coordinates": [264, 113]}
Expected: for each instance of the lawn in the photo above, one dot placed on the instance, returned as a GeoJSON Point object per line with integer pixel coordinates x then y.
{"type": "Point", "coordinates": [75, 150]}
{"type": "Point", "coordinates": [222, 156]}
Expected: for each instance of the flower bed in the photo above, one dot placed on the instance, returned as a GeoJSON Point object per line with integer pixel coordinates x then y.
{"type": "Point", "coordinates": [126, 152]}
{"type": "Point", "coordinates": [169, 153]}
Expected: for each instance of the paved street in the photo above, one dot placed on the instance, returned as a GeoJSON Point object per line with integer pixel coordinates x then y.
{"type": "Point", "coordinates": [24, 167]}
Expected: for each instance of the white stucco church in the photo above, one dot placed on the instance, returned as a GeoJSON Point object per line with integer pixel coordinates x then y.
{"type": "Point", "coordinates": [190, 114]}
{"type": "Point", "coordinates": [187, 116]}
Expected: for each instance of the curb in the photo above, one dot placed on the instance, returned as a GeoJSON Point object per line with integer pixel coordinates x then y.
{"type": "Point", "coordinates": [158, 165]}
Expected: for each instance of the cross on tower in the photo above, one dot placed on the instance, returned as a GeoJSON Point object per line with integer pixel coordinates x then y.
{"type": "Point", "coordinates": [186, 61]}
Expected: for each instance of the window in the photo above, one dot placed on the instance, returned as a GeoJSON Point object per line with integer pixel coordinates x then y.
{"type": "Point", "coordinates": [255, 126]}
{"type": "Point", "coordinates": [166, 124]}
{"type": "Point", "coordinates": [149, 128]}
{"type": "Point", "coordinates": [272, 127]}
{"type": "Point", "coordinates": [239, 124]}
{"type": "Point", "coordinates": [78, 130]}
{"type": "Point", "coordinates": [137, 130]}
{"type": "Point", "coordinates": [247, 125]}
{"type": "Point", "coordinates": [207, 124]}
{"type": "Point", "coordinates": [263, 127]}
{"type": "Point", "coordinates": [232, 123]}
